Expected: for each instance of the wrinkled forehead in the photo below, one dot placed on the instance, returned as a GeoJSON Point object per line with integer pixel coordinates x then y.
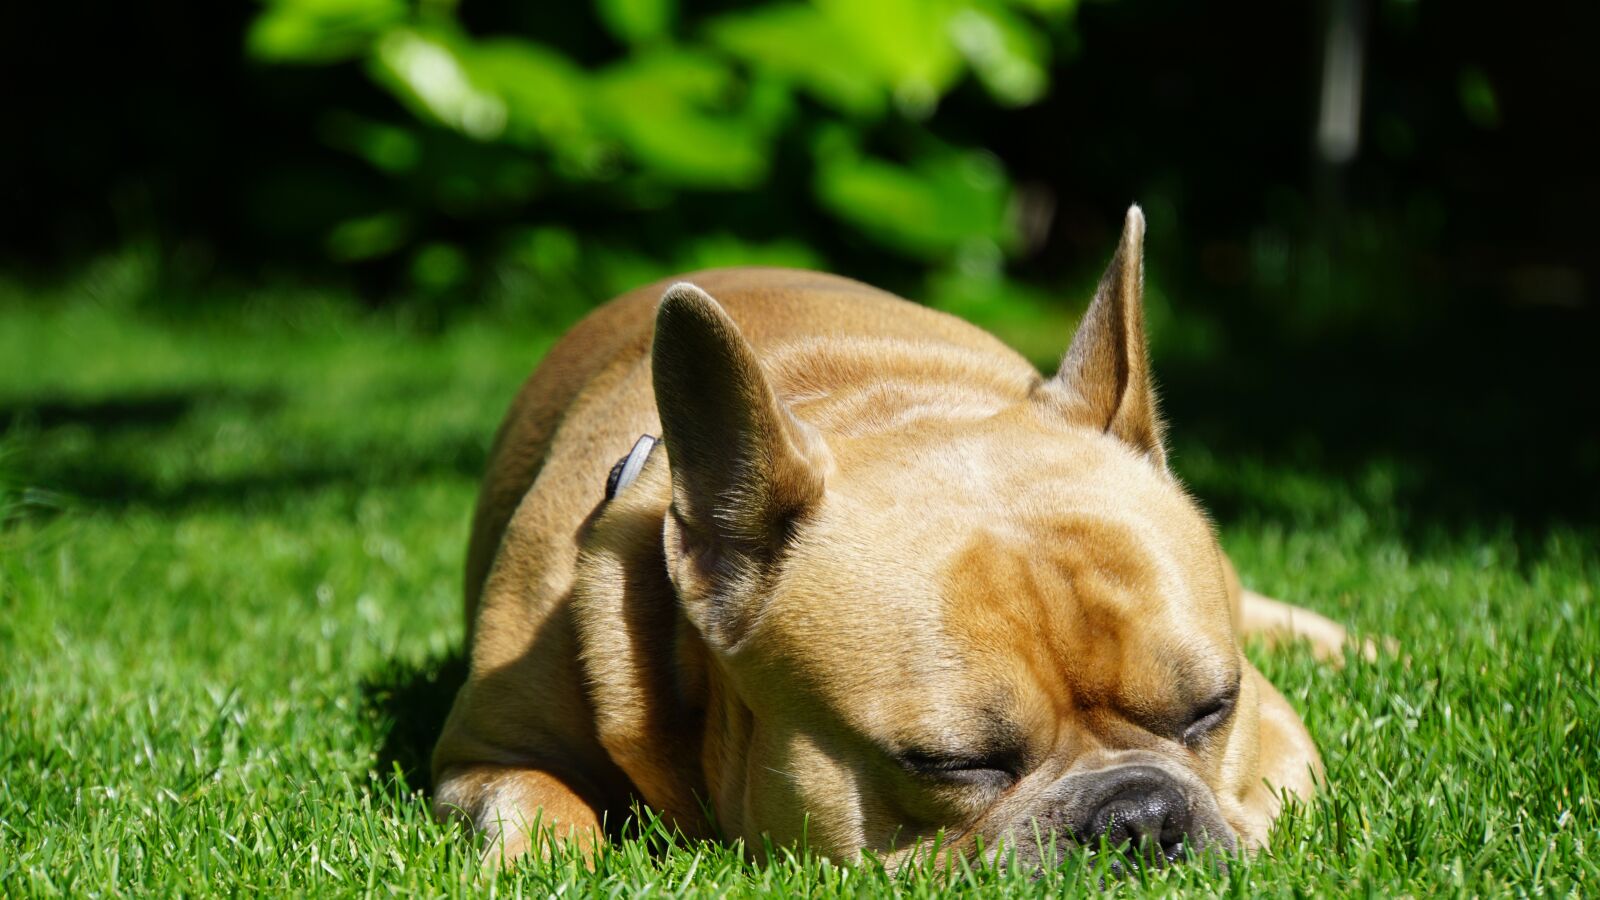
{"type": "Point", "coordinates": [948, 560]}
{"type": "Point", "coordinates": [1086, 594]}
{"type": "Point", "coordinates": [1027, 488]}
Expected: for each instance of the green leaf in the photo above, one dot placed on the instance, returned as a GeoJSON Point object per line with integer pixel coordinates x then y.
{"type": "Point", "coordinates": [801, 45]}
{"type": "Point", "coordinates": [426, 70]}
{"type": "Point", "coordinates": [320, 31]}
{"type": "Point", "coordinates": [667, 109]}
{"type": "Point", "coordinates": [1010, 57]}
{"type": "Point", "coordinates": [549, 251]}
{"type": "Point", "coordinates": [946, 202]}
{"type": "Point", "coordinates": [439, 267]}
{"type": "Point", "coordinates": [907, 41]}
{"type": "Point", "coordinates": [386, 147]}
{"type": "Point", "coordinates": [547, 99]}
{"type": "Point", "coordinates": [1478, 98]}
{"type": "Point", "coordinates": [368, 237]}
{"type": "Point", "coordinates": [1049, 9]}
{"type": "Point", "coordinates": [637, 21]}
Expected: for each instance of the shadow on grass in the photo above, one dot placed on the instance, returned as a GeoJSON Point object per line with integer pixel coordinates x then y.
{"type": "Point", "coordinates": [112, 470]}
{"type": "Point", "coordinates": [109, 486]}
{"type": "Point", "coordinates": [410, 702]}
{"type": "Point", "coordinates": [132, 411]}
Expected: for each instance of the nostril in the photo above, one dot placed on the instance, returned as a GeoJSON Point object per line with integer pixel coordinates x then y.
{"type": "Point", "coordinates": [1151, 818]}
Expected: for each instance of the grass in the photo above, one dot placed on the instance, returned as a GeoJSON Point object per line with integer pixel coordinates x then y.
{"type": "Point", "coordinates": [230, 549]}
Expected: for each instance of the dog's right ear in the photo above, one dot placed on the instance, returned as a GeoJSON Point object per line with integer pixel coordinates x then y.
{"type": "Point", "coordinates": [744, 469]}
{"type": "Point", "coordinates": [1105, 381]}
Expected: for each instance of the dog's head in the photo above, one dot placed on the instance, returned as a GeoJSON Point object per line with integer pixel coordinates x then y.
{"type": "Point", "coordinates": [1008, 626]}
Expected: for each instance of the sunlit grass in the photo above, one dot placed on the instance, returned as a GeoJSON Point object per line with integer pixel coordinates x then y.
{"type": "Point", "coordinates": [229, 586]}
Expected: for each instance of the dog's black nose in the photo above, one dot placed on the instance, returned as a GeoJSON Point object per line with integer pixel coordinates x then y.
{"type": "Point", "coordinates": [1144, 811]}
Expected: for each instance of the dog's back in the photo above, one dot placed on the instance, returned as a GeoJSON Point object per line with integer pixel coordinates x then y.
{"type": "Point", "coordinates": [591, 396]}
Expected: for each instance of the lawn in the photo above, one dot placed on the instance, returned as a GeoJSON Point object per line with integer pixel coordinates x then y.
{"type": "Point", "coordinates": [230, 552]}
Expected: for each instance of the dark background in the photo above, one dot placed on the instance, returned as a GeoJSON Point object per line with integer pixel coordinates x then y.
{"type": "Point", "coordinates": [1431, 300]}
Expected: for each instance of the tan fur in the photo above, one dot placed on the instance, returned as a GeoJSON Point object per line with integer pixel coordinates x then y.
{"type": "Point", "coordinates": [872, 527]}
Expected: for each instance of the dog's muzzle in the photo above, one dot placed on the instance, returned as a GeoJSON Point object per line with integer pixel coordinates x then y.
{"type": "Point", "coordinates": [1150, 814]}
{"type": "Point", "coordinates": [1140, 809]}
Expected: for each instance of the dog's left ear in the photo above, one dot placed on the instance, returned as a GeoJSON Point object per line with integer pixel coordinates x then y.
{"type": "Point", "coordinates": [1104, 381]}
{"type": "Point", "coordinates": [744, 468]}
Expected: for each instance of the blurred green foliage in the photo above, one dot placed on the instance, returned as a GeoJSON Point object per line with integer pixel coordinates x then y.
{"type": "Point", "coordinates": [686, 101]}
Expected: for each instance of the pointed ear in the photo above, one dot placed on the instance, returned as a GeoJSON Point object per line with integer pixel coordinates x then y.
{"type": "Point", "coordinates": [744, 469]}
{"type": "Point", "coordinates": [1105, 380]}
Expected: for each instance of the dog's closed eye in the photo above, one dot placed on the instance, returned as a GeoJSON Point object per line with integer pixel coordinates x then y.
{"type": "Point", "coordinates": [1207, 716]}
{"type": "Point", "coordinates": [993, 769]}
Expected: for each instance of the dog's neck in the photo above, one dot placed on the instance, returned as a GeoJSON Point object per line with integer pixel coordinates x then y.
{"type": "Point", "coordinates": [643, 699]}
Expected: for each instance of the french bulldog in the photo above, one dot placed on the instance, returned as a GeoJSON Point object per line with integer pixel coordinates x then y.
{"type": "Point", "coordinates": [879, 583]}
